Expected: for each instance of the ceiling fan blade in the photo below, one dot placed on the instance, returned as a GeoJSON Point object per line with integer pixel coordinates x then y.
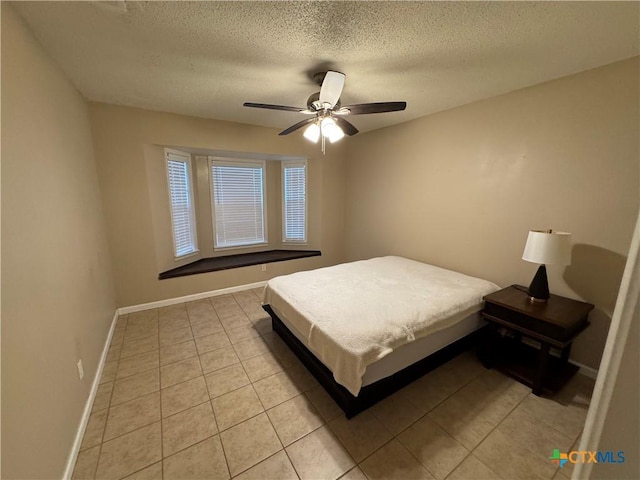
{"type": "Point", "coordinates": [331, 88]}
{"type": "Point", "coordinates": [298, 125]}
{"type": "Point", "coordinates": [379, 107]}
{"type": "Point", "coordinates": [346, 127]}
{"type": "Point", "coordinates": [274, 107]}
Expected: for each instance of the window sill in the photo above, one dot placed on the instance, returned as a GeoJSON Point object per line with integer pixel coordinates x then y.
{"type": "Point", "coordinates": [226, 262]}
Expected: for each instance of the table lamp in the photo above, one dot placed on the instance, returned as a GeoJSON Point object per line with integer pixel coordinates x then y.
{"type": "Point", "coordinates": [545, 247]}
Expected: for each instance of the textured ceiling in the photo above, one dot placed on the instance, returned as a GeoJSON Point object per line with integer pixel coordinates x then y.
{"type": "Point", "coordinates": [207, 58]}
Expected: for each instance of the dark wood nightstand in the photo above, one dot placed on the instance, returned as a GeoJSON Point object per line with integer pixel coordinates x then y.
{"type": "Point", "coordinates": [554, 324]}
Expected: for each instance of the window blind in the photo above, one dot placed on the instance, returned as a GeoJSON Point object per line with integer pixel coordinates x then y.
{"type": "Point", "coordinates": [295, 201]}
{"type": "Point", "coordinates": [181, 198]}
{"type": "Point", "coordinates": [238, 203]}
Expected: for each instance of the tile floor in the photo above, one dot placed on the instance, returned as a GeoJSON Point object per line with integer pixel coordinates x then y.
{"type": "Point", "coordinates": [205, 390]}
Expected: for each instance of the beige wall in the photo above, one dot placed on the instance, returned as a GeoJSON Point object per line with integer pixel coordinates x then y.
{"type": "Point", "coordinates": [57, 295]}
{"type": "Point", "coordinates": [461, 188]}
{"type": "Point", "coordinates": [127, 149]}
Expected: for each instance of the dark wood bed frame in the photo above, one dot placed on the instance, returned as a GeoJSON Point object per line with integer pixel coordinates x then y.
{"type": "Point", "coordinates": [379, 390]}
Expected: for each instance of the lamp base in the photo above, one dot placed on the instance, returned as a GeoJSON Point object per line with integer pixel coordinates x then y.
{"type": "Point", "coordinates": [539, 289]}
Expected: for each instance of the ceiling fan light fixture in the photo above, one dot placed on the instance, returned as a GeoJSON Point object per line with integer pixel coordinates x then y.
{"type": "Point", "coordinates": [336, 135]}
{"type": "Point", "coordinates": [312, 133]}
{"type": "Point", "coordinates": [331, 130]}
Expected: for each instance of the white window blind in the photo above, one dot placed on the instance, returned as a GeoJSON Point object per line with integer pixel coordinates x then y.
{"type": "Point", "coordinates": [181, 199]}
{"type": "Point", "coordinates": [294, 180]}
{"type": "Point", "coordinates": [238, 203]}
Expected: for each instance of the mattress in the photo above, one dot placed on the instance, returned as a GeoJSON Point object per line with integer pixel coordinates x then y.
{"type": "Point", "coordinates": [353, 315]}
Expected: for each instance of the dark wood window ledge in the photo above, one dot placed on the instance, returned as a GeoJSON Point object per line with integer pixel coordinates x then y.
{"type": "Point", "coordinates": [213, 264]}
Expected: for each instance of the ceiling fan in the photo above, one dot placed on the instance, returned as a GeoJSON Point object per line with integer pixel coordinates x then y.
{"type": "Point", "coordinates": [326, 114]}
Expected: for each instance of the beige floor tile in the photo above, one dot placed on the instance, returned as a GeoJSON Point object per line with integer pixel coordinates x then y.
{"type": "Point", "coordinates": [206, 327]}
{"type": "Point", "coordinates": [325, 405]}
{"type": "Point", "coordinates": [152, 472]}
{"type": "Point", "coordinates": [227, 310]}
{"type": "Point", "coordinates": [361, 435]}
{"type": "Point", "coordinates": [427, 392]}
{"type": "Point", "coordinates": [177, 352]}
{"type": "Point", "coordinates": [275, 467]}
{"type": "Point", "coordinates": [294, 419]}
{"type": "Point", "coordinates": [261, 366]}
{"type": "Point", "coordinates": [251, 348]}
{"type": "Point", "coordinates": [261, 324]}
{"type": "Point", "coordinates": [141, 328]}
{"type": "Point", "coordinates": [276, 344]}
{"type": "Point", "coordinates": [95, 429]}
{"type": "Point", "coordinates": [179, 310]}
{"type": "Point", "coordinates": [198, 306]}
{"type": "Point", "coordinates": [319, 455]}
{"type": "Point", "coordinates": [397, 412]}
{"type": "Point", "coordinates": [187, 428]}
{"type": "Point", "coordinates": [149, 314]}
{"type": "Point", "coordinates": [183, 395]}
{"type": "Point", "coordinates": [394, 462]}
{"type": "Point", "coordinates": [567, 419]}
{"type": "Point", "coordinates": [113, 355]}
{"type": "Point", "coordinates": [132, 415]}
{"type": "Point", "coordinates": [289, 359]}
{"type": "Point", "coordinates": [103, 397]}
{"type": "Point", "coordinates": [560, 475]}
{"type": "Point", "coordinates": [248, 443]}
{"type": "Point", "coordinates": [472, 412]}
{"type": "Point", "coordinates": [302, 378]}
{"type": "Point", "coordinates": [243, 333]}
{"type": "Point", "coordinates": [203, 316]}
{"type": "Point", "coordinates": [178, 335]}
{"type": "Point", "coordinates": [212, 342]}
{"type": "Point", "coordinates": [138, 345]}
{"type": "Point", "coordinates": [237, 320]}
{"type": "Point", "coordinates": [138, 364]}
{"type": "Point", "coordinates": [520, 463]}
{"type": "Point", "coordinates": [169, 325]}
{"type": "Point", "coordinates": [276, 389]}
{"type": "Point", "coordinates": [217, 359]}
{"type": "Point", "coordinates": [246, 297]}
{"type": "Point", "coordinates": [522, 427]}
{"type": "Point", "coordinates": [181, 371]}
{"type": "Point", "coordinates": [109, 372]}
{"type": "Point", "coordinates": [86, 463]}
{"type": "Point", "coordinates": [473, 468]}
{"type": "Point", "coordinates": [219, 301]}
{"type": "Point", "coordinates": [130, 452]}
{"type": "Point", "coordinates": [226, 380]}
{"type": "Point", "coordinates": [235, 407]}
{"type": "Point", "coordinates": [204, 460]}
{"type": "Point", "coordinates": [135, 386]}
{"type": "Point", "coordinates": [433, 447]}
{"type": "Point", "coordinates": [354, 474]}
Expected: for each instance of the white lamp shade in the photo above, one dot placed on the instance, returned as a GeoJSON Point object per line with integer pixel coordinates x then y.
{"type": "Point", "coordinates": [336, 135]}
{"type": "Point", "coordinates": [330, 129]}
{"type": "Point", "coordinates": [548, 248]}
{"type": "Point", "coordinates": [312, 133]}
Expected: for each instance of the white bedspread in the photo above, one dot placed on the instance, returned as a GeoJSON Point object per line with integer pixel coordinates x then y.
{"type": "Point", "coordinates": [354, 314]}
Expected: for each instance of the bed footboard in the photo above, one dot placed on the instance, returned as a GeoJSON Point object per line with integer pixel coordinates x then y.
{"type": "Point", "coordinates": [379, 390]}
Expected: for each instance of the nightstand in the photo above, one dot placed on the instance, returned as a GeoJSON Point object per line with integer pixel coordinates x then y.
{"type": "Point", "coordinates": [517, 323]}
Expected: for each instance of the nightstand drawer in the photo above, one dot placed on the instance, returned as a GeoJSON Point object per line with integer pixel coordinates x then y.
{"type": "Point", "coordinates": [561, 333]}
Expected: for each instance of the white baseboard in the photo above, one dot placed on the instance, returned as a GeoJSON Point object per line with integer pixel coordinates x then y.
{"type": "Point", "coordinates": [584, 370]}
{"type": "Point", "coordinates": [75, 449]}
{"type": "Point", "coordinates": [188, 298]}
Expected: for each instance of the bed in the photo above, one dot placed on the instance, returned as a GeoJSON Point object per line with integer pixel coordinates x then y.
{"type": "Point", "coordinates": [366, 329]}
